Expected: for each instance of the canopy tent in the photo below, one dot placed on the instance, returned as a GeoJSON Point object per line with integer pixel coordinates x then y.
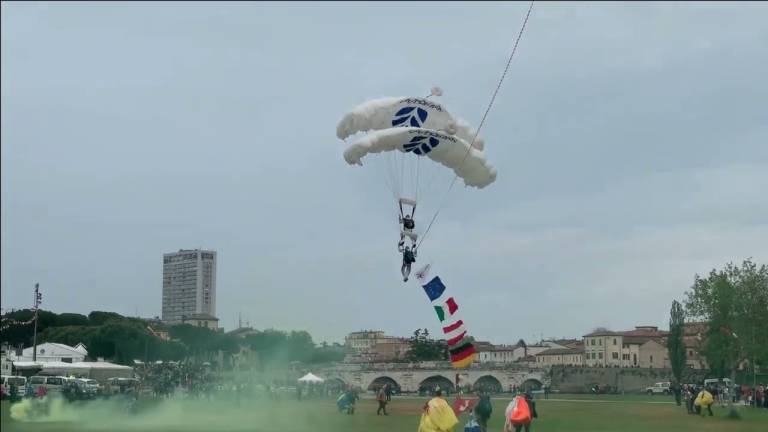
{"type": "Point", "coordinates": [311, 378]}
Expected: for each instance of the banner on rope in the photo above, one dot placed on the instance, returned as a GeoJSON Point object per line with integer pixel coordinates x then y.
{"type": "Point", "coordinates": [461, 350]}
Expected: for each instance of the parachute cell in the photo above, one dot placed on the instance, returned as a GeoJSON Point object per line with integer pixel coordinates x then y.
{"type": "Point", "coordinates": [453, 152]}
{"type": "Point", "coordinates": [390, 112]}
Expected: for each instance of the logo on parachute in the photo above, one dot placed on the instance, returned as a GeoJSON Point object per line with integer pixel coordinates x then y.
{"type": "Point", "coordinates": [410, 116]}
{"type": "Point", "coordinates": [421, 144]}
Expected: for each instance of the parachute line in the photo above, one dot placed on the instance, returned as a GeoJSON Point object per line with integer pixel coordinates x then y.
{"type": "Point", "coordinates": [482, 122]}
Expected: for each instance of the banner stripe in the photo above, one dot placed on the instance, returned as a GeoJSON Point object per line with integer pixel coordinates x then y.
{"type": "Point", "coordinates": [453, 326]}
{"type": "Point", "coordinates": [460, 348]}
{"type": "Point", "coordinates": [457, 339]}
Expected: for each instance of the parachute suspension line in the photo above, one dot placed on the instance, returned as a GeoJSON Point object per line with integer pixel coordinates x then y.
{"type": "Point", "coordinates": [391, 165]}
{"type": "Point", "coordinates": [402, 174]}
{"type": "Point", "coordinates": [418, 159]}
{"type": "Point", "coordinates": [482, 122]}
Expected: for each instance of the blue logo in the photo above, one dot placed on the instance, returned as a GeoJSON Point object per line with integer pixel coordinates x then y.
{"type": "Point", "coordinates": [421, 144]}
{"type": "Point", "coordinates": [410, 116]}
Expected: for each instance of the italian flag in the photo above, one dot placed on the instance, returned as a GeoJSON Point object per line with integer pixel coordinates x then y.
{"type": "Point", "coordinates": [447, 309]}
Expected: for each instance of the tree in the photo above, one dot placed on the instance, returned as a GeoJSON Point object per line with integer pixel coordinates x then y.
{"type": "Point", "coordinates": [99, 317]}
{"type": "Point", "coordinates": [734, 303]}
{"type": "Point", "coordinates": [521, 344]}
{"type": "Point", "coordinates": [423, 348]}
{"type": "Point", "coordinates": [676, 345]}
{"type": "Point", "coordinates": [279, 347]}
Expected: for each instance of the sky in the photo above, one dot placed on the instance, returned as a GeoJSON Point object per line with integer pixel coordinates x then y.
{"type": "Point", "coordinates": [630, 139]}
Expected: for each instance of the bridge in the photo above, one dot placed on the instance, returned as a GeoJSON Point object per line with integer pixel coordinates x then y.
{"type": "Point", "coordinates": [411, 377]}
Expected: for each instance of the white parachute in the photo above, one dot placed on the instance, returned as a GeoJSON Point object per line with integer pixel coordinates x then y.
{"type": "Point", "coordinates": [396, 133]}
{"type": "Point", "coordinates": [390, 112]}
{"type": "Point", "coordinates": [453, 152]}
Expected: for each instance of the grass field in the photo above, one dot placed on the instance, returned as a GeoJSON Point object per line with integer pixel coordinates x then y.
{"type": "Point", "coordinates": [560, 413]}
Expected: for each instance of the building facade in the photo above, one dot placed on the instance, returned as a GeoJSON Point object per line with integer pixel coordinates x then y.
{"type": "Point", "coordinates": [375, 346]}
{"type": "Point", "coordinates": [364, 340]}
{"type": "Point", "coordinates": [633, 348]}
{"type": "Point", "coordinates": [561, 356]}
{"type": "Point", "coordinates": [189, 284]}
{"type": "Point", "coordinates": [201, 320]}
{"type": "Point", "coordinates": [49, 352]}
{"type": "Point", "coordinates": [511, 353]}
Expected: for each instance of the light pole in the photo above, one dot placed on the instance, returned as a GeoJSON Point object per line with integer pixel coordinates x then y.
{"type": "Point", "coordinates": [38, 300]}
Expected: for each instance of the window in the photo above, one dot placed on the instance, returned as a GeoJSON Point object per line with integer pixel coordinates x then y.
{"type": "Point", "coordinates": [625, 357]}
{"type": "Point", "coordinates": [593, 342]}
{"type": "Point", "coordinates": [614, 341]}
{"type": "Point", "coordinates": [615, 356]}
{"type": "Point", "coordinates": [690, 353]}
{"type": "Point", "coordinates": [600, 356]}
{"type": "Point", "coordinates": [600, 342]}
{"type": "Point", "coordinates": [651, 359]}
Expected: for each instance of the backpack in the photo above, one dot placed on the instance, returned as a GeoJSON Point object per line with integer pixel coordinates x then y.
{"type": "Point", "coordinates": [520, 414]}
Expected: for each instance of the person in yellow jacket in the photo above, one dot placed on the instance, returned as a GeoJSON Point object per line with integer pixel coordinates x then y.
{"type": "Point", "coordinates": [704, 399]}
{"type": "Point", "coordinates": [438, 415]}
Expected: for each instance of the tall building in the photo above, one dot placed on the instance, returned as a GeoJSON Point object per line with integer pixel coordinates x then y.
{"type": "Point", "coordinates": [189, 284]}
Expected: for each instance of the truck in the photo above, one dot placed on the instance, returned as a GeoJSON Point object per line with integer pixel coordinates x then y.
{"type": "Point", "coordinates": [662, 388]}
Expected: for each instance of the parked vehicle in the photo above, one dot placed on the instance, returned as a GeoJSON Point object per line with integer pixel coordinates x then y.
{"type": "Point", "coordinates": [88, 386]}
{"type": "Point", "coordinates": [19, 381]}
{"type": "Point", "coordinates": [122, 385]}
{"type": "Point", "coordinates": [52, 384]}
{"type": "Point", "coordinates": [718, 383]}
{"type": "Point", "coordinates": [662, 388]}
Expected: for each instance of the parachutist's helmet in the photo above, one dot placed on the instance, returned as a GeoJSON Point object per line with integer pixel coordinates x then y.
{"type": "Point", "coordinates": [407, 216]}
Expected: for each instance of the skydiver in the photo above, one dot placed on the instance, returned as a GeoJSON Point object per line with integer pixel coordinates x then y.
{"type": "Point", "coordinates": [409, 257]}
{"type": "Point", "coordinates": [408, 226]}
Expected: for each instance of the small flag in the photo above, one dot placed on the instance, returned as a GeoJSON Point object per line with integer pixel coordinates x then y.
{"type": "Point", "coordinates": [422, 274]}
{"type": "Point", "coordinates": [461, 405]}
{"type": "Point", "coordinates": [434, 288]}
{"type": "Point", "coordinates": [446, 310]}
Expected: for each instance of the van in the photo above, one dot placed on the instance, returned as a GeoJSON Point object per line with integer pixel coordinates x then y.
{"type": "Point", "coordinates": [19, 381]}
{"type": "Point", "coordinates": [89, 386]}
{"type": "Point", "coordinates": [718, 383]}
{"type": "Point", "coordinates": [50, 383]}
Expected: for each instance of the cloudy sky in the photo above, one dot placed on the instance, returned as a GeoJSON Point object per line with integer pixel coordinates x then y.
{"type": "Point", "coordinates": [631, 141]}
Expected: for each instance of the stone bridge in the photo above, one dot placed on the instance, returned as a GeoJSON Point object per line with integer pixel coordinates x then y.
{"type": "Point", "coordinates": [411, 377]}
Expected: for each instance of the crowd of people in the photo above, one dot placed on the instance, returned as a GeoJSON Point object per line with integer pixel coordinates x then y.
{"type": "Point", "coordinates": [699, 399]}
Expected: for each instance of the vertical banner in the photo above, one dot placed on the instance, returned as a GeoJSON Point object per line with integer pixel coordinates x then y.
{"type": "Point", "coordinates": [461, 350]}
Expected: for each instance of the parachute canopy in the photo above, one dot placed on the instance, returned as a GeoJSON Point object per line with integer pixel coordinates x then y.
{"type": "Point", "coordinates": [450, 150]}
{"type": "Point", "coordinates": [390, 112]}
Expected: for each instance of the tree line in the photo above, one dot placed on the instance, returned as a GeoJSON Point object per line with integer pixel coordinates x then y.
{"type": "Point", "coordinates": [123, 339]}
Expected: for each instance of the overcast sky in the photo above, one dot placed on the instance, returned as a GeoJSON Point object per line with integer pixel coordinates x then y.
{"type": "Point", "coordinates": [631, 142]}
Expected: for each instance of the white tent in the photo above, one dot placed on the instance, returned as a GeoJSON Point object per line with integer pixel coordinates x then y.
{"type": "Point", "coordinates": [311, 378]}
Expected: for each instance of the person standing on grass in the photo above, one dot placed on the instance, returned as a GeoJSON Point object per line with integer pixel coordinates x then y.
{"type": "Point", "coordinates": [483, 410]}
{"type": "Point", "coordinates": [704, 400]}
{"type": "Point", "coordinates": [689, 394]}
{"type": "Point", "coordinates": [520, 413]}
{"type": "Point", "coordinates": [381, 396]}
{"type": "Point", "coordinates": [438, 415]}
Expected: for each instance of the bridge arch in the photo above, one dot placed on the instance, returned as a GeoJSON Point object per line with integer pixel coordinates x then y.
{"type": "Point", "coordinates": [381, 381]}
{"type": "Point", "coordinates": [336, 384]}
{"type": "Point", "coordinates": [433, 382]}
{"type": "Point", "coordinates": [532, 383]}
{"type": "Point", "coordinates": [488, 383]}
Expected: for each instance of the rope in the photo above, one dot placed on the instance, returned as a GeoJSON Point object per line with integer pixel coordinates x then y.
{"type": "Point", "coordinates": [482, 122]}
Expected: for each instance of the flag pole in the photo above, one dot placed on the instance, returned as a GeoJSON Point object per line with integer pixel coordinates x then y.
{"type": "Point", "coordinates": [38, 297]}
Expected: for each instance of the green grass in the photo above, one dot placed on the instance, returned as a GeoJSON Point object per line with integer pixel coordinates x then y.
{"type": "Point", "coordinates": [578, 413]}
